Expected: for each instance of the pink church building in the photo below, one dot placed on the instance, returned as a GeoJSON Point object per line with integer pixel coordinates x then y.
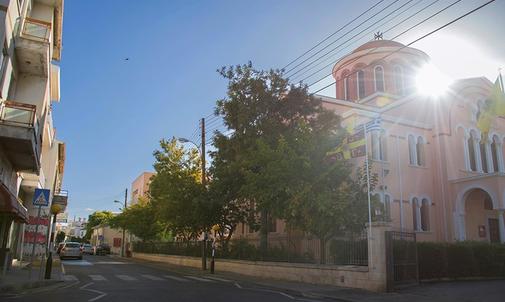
{"type": "Point", "coordinates": [439, 175]}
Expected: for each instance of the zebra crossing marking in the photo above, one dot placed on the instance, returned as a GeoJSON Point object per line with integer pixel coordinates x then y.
{"type": "Point", "coordinates": [126, 278]}
{"type": "Point", "coordinates": [97, 277]}
{"type": "Point", "coordinates": [176, 278]}
{"type": "Point", "coordinates": [199, 279]}
{"type": "Point", "coordinates": [151, 277]}
{"type": "Point", "coordinates": [218, 279]}
{"type": "Point", "coordinates": [70, 278]}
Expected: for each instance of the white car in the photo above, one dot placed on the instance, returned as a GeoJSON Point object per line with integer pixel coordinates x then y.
{"type": "Point", "coordinates": [88, 249]}
{"type": "Point", "coordinates": [71, 250]}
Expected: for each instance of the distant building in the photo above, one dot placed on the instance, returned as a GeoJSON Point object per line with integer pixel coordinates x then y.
{"type": "Point", "coordinates": [104, 234]}
{"type": "Point", "coordinates": [140, 186]}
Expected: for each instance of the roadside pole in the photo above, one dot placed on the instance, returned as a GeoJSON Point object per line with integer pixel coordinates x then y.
{"type": "Point", "coordinates": [34, 242]}
{"type": "Point", "coordinates": [202, 155]}
{"type": "Point", "coordinates": [122, 241]}
{"type": "Point", "coordinates": [40, 198]}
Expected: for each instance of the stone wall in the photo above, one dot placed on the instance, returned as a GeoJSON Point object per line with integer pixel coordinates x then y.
{"type": "Point", "coordinates": [373, 278]}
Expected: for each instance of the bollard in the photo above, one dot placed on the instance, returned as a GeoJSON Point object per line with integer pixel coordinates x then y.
{"type": "Point", "coordinates": [49, 266]}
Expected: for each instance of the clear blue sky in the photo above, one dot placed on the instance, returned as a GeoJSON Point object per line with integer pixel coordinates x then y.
{"type": "Point", "coordinates": [113, 112]}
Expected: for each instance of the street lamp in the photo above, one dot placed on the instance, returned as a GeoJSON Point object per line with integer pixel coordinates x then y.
{"type": "Point", "coordinates": [124, 208]}
{"type": "Point", "coordinates": [202, 159]}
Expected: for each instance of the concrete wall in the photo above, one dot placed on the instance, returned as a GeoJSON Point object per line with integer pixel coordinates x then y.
{"type": "Point", "coordinates": [372, 277]}
{"type": "Point", "coordinates": [346, 276]}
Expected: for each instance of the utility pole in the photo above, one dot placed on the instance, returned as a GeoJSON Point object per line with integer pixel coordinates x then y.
{"type": "Point", "coordinates": [202, 155]}
{"type": "Point", "coordinates": [122, 240]}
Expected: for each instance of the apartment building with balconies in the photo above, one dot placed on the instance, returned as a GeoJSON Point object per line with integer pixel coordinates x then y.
{"type": "Point", "coordinates": [30, 154]}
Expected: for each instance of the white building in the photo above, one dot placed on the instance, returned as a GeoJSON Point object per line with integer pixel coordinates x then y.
{"type": "Point", "coordinates": [30, 155]}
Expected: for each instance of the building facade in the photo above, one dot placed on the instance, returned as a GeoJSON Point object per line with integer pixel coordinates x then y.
{"type": "Point", "coordinates": [438, 174]}
{"type": "Point", "coordinates": [30, 154]}
{"type": "Point", "coordinates": [104, 234]}
{"type": "Point", "coordinates": [140, 186]}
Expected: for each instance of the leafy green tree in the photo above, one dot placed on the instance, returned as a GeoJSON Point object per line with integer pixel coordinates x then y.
{"type": "Point", "coordinates": [140, 220]}
{"type": "Point", "coordinates": [279, 135]}
{"type": "Point", "coordinates": [60, 237]}
{"type": "Point", "coordinates": [333, 203]}
{"type": "Point", "coordinates": [97, 218]}
{"type": "Point", "coordinates": [176, 190]}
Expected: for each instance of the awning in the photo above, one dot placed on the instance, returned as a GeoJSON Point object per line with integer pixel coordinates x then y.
{"type": "Point", "coordinates": [11, 206]}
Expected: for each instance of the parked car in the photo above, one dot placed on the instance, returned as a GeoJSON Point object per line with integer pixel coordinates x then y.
{"type": "Point", "coordinates": [103, 249]}
{"type": "Point", "coordinates": [60, 246]}
{"type": "Point", "coordinates": [88, 249]}
{"type": "Point", "coordinates": [71, 250]}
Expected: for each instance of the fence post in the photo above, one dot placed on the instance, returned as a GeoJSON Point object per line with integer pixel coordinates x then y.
{"type": "Point", "coordinates": [377, 268]}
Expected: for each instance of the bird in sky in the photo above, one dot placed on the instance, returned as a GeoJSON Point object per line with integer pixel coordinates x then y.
{"type": "Point", "coordinates": [127, 59]}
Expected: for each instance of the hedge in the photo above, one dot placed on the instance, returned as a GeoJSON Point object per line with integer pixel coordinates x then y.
{"type": "Point", "coordinates": [460, 260]}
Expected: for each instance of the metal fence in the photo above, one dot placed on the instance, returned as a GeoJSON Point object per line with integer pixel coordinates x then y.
{"type": "Point", "coordinates": [401, 259]}
{"type": "Point", "coordinates": [348, 250]}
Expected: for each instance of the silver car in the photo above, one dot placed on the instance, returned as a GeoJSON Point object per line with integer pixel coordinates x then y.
{"type": "Point", "coordinates": [88, 249]}
{"type": "Point", "coordinates": [71, 250]}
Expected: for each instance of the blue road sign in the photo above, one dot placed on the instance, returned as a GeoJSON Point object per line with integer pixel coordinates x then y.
{"type": "Point", "coordinates": [41, 197]}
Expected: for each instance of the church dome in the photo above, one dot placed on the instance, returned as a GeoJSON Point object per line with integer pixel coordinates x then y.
{"type": "Point", "coordinates": [378, 67]}
{"type": "Point", "coordinates": [378, 43]}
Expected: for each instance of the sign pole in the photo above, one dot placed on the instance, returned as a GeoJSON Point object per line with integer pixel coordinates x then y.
{"type": "Point", "coordinates": [34, 241]}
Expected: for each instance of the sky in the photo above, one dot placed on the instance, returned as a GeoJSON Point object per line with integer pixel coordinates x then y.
{"type": "Point", "coordinates": [113, 111]}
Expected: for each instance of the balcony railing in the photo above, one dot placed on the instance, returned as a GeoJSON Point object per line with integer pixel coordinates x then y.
{"type": "Point", "coordinates": [17, 114]}
{"type": "Point", "coordinates": [37, 29]}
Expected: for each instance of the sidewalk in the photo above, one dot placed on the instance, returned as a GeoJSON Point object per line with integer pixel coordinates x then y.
{"type": "Point", "coordinates": [17, 279]}
{"type": "Point", "coordinates": [477, 291]}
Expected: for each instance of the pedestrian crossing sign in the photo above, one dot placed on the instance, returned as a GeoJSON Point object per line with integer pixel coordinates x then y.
{"type": "Point", "coordinates": [41, 197]}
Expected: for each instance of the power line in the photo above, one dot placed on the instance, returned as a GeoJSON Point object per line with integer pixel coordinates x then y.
{"type": "Point", "coordinates": [332, 62]}
{"type": "Point", "coordinates": [335, 48]}
{"type": "Point", "coordinates": [334, 33]}
{"type": "Point", "coordinates": [418, 39]}
{"type": "Point", "coordinates": [319, 51]}
{"type": "Point", "coordinates": [365, 35]}
{"type": "Point", "coordinates": [400, 34]}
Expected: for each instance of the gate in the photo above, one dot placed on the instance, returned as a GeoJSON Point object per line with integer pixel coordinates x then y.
{"type": "Point", "coordinates": [401, 260]}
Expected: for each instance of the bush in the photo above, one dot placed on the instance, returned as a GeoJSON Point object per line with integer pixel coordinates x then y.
{"type": "Point", "coordinates": [460, 260]}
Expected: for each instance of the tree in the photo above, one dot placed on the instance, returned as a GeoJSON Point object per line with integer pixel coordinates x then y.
{"type": "Point", "coordinates": [279, 137]}
{"type": "Point", "coordinates": [176, 190]}
{"type": "Point", "coordinates": [334, 203]}
{"type": "Point", "coordinates": [97, 218]}
{"type": "Point", "coordinates": [140, 220]}
{"type": "Point", "coordinates": [60, 237]}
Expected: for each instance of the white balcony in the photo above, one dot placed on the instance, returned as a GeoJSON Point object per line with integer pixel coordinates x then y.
{"type": "Point", "coordinates": [33, 46]}
{"type": "Point", "coordinates": [19, 135]}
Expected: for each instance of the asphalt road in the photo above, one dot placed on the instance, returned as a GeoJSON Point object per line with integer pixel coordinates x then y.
{"type": "Point", "coordinates": [101, 278]}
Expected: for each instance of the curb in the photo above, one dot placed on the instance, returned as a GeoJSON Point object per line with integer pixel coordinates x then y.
{"type": "Point", "coordinates": [12, 289]}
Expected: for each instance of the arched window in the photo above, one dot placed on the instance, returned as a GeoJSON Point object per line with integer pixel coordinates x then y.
{"type": "Point", "coordinates": [387, 207]}
{"type": "Point", "coordinates": [483, 156]}
{"type": "Point", "coordinates": [360, 79]}
{"type": "Point", "coordinates": [346, 89]}
{"type": "Point", "coordinates": [472, 152]}
{"type": "Point", "coordinates": [398, 76]}
{"type": "Point", "coordinates": [416, 150]}
{"type": "Point", "coordinates": [379, 145]}
{"type": "Point", "coordinates": [420, 151]}
{"type": "Point", "coordinates": [494, 155]}
{"type": "Point", "coordinates": [425, 215]}
{"type": "Point", "coordinates": [379, 78]}
{"type": "Point", "coordinates": [412, 150]}
{"type": "Point", "coordinates": [416, 214]}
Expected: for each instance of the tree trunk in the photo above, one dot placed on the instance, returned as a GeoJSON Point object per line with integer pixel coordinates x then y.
{"type": "Point", "coordinates": [264, 233]}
